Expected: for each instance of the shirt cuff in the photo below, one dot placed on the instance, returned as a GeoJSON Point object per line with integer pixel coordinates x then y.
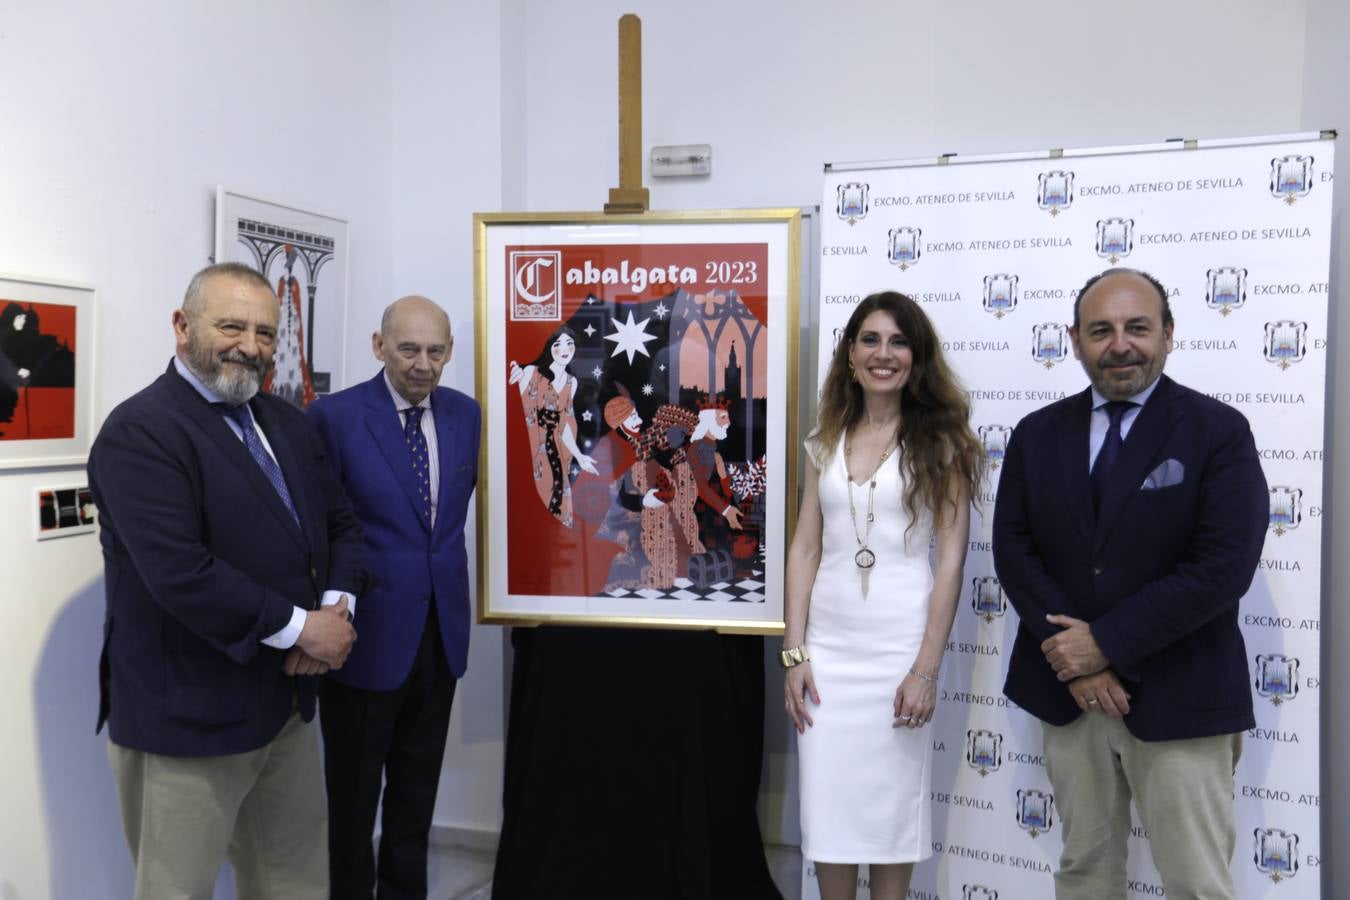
{"type": "Point", "coordinates": [285, 638]}
{"type": "Point", "coordinates": [330, 598]}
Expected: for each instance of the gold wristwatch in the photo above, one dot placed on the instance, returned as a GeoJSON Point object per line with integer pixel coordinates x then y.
{"type": "Point", "coordinates": [793, 656]}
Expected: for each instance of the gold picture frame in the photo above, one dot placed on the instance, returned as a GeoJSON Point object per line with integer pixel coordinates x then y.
{"type": "Point", "coordinates": [638, 377]}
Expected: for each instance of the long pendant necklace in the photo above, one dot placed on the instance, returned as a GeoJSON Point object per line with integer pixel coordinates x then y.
{"type": "Point", "coordinates": [865, 558]}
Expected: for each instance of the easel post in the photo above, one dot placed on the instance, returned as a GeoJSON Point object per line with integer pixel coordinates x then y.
{"type": "Point", "coordinates": [630, 196]}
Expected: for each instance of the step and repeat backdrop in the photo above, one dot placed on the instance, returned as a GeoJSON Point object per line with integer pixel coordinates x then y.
{"type": "Point", "coordinates": [994, 249]}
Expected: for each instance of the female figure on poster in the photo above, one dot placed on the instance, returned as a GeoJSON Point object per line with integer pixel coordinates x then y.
{"type": "Point", "coordinates": [892, 464]}
{"type": "Point", "coordinates": [547, 388]}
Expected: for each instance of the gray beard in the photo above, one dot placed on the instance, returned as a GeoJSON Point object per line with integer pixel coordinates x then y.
{"type": "Point", "coordinates": [233, 387]}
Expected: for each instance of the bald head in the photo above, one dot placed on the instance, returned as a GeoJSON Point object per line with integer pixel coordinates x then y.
{"type": "Point", "coordinates": [414, 343]}
{"type": "Point", "coordinates": [413, 303]}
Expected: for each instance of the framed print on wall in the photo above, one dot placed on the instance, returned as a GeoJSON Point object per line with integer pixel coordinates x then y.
{"type": "Point", "coordinates": [304, 255]}
{"type": "Point", "coordinates": [638, 378]}
{"type": "Point", "coordinates": [46, 372]}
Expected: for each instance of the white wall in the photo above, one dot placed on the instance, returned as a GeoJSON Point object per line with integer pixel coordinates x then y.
{"type": "Point", "coordinates": [1327, 105]}
{"type": "Point", "coordinates": [118, 122]}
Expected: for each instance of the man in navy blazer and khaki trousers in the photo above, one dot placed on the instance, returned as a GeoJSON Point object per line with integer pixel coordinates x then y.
{"type": "Point", "coordinates": [1128, 524]}
{"type": "Point", "coordinates": [407, 453]}
{"type": "Point", "coordinates": [230, 556]}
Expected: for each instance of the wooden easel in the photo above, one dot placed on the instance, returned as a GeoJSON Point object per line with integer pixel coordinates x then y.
{"type": "Point", "coordinates": [630, 196]}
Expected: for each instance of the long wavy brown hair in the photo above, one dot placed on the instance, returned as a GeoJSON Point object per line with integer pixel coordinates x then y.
{"type": "Point", "coordinates": [938, 450]}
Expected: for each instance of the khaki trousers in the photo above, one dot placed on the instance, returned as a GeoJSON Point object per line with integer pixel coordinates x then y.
{"type": "Point", "coordinates": [1182, 789]}
{"type": "Point", "coordinates": [264, 809]}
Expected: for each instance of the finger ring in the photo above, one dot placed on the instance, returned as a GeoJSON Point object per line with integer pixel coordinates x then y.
{"type": "Point", "coordinates": [1092, 702]}
{"type": "Point", "coordinates": [905, 718]}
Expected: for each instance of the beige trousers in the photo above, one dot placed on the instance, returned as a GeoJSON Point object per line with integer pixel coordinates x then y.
{"type": "Point", "coordinates": [1182, 789]}
{"type": "Point", "coordinates": [264, 809]}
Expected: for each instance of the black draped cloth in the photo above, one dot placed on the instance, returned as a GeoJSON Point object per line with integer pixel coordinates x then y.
{"type": "Point", "coordinates": [632, 767]}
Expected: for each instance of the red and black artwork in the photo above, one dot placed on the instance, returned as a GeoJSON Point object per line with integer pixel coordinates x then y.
{"type": "Point", "coordinates": [37, 370]}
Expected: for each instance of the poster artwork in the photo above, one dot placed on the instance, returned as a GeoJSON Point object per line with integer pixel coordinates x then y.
{"type": "Point", "coordinates": [294, 262]}
{"type": "Point", "coordinates": [636, 404]}
{"type": "Point", "coordinates": [37, 370]}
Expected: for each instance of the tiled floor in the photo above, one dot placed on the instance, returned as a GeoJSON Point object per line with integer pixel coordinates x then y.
{"type": "Point", "coordinates": [458, 872]}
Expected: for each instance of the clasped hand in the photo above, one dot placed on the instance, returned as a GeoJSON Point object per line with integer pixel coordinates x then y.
{"type": "Point", "coordinates": [1073, 652]}
{"type": "Point", "coordinates": [324, 643]}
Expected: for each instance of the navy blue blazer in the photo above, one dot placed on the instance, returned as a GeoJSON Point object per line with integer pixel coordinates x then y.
{"type": "Point", "coordinates": [202, 561]}
{"type": "Point", "coordinates": [1158, 572]}
{"type": "Point", "coordinates": [410, 564]}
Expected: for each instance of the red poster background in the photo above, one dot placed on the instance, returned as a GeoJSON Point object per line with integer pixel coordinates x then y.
{"type": "Point", "coordinates": [544, 557]}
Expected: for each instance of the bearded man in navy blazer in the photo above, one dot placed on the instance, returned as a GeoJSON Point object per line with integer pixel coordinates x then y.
{"type": "Point", "coordinates": [231, 556]}
{"type": "Point", "coordinates": [1128, 524]}
{"type": "Point", "coordinates": [407, 453]}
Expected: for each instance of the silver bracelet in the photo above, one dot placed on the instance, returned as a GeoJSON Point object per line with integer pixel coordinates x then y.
{"type": "Point", "coordinates": [931, 679]}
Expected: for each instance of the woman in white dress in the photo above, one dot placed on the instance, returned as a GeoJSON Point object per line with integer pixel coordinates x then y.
{"type": "Point", "coordinates": [892, 466]}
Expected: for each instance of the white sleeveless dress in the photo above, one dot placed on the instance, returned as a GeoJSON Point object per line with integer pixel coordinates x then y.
{"type": "Point", "coordinates": [865, 785]}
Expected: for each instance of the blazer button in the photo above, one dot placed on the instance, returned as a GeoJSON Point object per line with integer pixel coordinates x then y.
{"type": "Point", "coordinates": [313, 573]}
{"type": "Point", "coordinates": [1096, 570]}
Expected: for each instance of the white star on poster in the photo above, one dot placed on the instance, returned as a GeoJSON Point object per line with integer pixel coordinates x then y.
{"type": "Point", "coordinates": [630, 337]}
{"type": "Point", "coordinates": [662, 367]}
{"type": "Point", "coordinates": [586, 416]}
{"type": "Point", "coordinates": [590, 299]}
{"type": "Point", "coordinates": [597, 372]}
{"type": "Point", "coordinates": [661, 311]}
{"type": "Point", "coordinates": [590, 330]}
{"type": "Point", "coordinates": [647, 390]}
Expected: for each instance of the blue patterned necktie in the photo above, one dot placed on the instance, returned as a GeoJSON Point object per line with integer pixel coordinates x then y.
{"type": "Point", "coordinates": [417, 449]}
{"type": "Point", "coordinates": [244, 417]}
{"type": "Point", "coordinates": [1106, 457]}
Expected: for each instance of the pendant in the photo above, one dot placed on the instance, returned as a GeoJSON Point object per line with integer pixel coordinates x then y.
{"type": "Point", "coordinates": [865, 558]}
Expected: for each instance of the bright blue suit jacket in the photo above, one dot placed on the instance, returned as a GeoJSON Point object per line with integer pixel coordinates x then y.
{"type": "Point", "coordinates": [410, 564]}
{"type": "Point", "coordinates": [202, 561]}
{"type": "Point", "coordinates": [1158, 572]}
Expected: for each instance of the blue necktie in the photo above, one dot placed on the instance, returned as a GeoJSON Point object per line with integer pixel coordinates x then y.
{"type": "Point", "coordinates": [244, 417]}
{"type": "Point", "coordinates": [417, 449]}
{"type": "Point", "coordinates": [1106, 457]}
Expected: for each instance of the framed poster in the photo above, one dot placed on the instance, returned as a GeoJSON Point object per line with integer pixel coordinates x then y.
{"type": "Point", "coordinates": [304, 254]}
{"type": "Point", "coordinates": [46, 372]}
{"type": "Point", "coordinates": [638, 379]}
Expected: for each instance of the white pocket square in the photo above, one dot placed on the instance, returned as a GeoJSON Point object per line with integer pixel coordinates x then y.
{"type": "Point", "coordinates": [1168, 473]}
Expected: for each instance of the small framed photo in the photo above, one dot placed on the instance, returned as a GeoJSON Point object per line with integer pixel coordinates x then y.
{"type": "Point", "coordinates": [638, 377]}
{"type": "Point", "coordinates": [46, 372]}
{"type": "Point", "coordinates": [65, 511]}
{"type": "Point", "coordinates": [304, 256]}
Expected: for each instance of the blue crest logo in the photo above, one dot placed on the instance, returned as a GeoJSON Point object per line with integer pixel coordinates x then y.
{"type": "Point", "coordinates": [1115, 238]}
{"type": "Point", "coordinates": [986, 598]}
{"type": "Point", "coordinates": [1277, 677]}
{"type": "Point", "coordinates": [1055, 191]}
{"type": "Point", "coordinates": [903, 248]}
{"type": "Point", "coordinates": [1286, 508]}
{"type": "Point", "coordinates": [1049, 343]}
{"type": "Point", "coordinates": [1276, 853]}
{"type": "Point", "coordinates": [984, 750]}
{"type": "Point", "coordinates": [978, 892]}
{"type": "Point", "coordinates": [1035, 811]}
{"type": "Point", "coordinates": [1290, 177]}
{"type": "Point", "coordinates": [994, 439]}
{"type": "Point", "coordinates": [1286, 342]}
{"type": "Point", "coordinates": [851, 201]}
{"type": "Point", "coordinates": [1226, 289]}
{"type": "Point", "coordinates": [1000, 294]}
